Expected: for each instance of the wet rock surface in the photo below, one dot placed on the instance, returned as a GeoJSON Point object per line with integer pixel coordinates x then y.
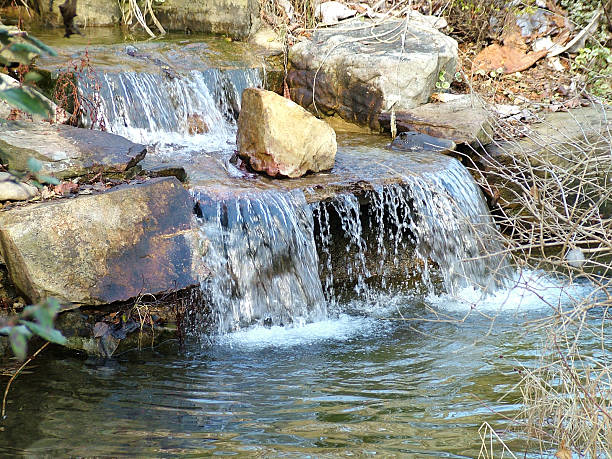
{"type": "Point", "coordinates": [415, 141]}
{"type": "Point", "coordinates": [278, 137]}
{"type": "Point", "coordinates": [363, 69]}
{"type": "Point", "coordinates": [66, 151]}
{"type": "Point", "coordinates": [462, 119]}
{"type": "Point", "coordinates": [102, 248]}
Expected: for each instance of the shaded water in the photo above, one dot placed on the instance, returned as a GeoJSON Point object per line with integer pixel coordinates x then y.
{"type": "Point", "coordinates": [388, 346]}
{"type": "Point", "coordinates": [354, 385]}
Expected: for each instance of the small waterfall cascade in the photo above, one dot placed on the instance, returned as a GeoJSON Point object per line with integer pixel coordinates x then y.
{"type": "Point", "coordinates": [399, 230]}
{"type": "Point", "coordinates": [263, 260]}
{"type": "Point", "coordinates": [198, 109]}
{"type": "Point", "coordinates": [272, 257]}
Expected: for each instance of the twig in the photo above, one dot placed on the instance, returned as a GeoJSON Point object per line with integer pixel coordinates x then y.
{"type": "Point", "coordinates": [8, 385]}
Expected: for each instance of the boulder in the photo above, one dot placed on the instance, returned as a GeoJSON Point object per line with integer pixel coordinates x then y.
{"type": "Point", "coordinates": [462, 119]}
{"type": "Point", "coordinates": [98, 249]}
{"type": "Point", "coordinates": [66, 151]}
{"type": "Point", "coordinates": [13, 190]}
{"type": "Point", "coordinates": [363, 69]}
{"type": "Point", "coordinates": [280, 138]}
{"type": "Point", "coordinates": [235, 18]}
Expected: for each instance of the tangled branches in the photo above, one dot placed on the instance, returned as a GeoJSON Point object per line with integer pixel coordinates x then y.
{"type": "Point", "coordinates": [554, 201]}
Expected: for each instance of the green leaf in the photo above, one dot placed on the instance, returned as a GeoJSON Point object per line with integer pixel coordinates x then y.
{"type": "Point", "coordinates": [24, 49]}
{"type": "Point", "coordinates": [48, 333]}
{"type": "Point", "coordinates": [34, 165]}
{"type": "Point", "coordinates": [18, 337]}
{"type": "Point", "coordinates": [48, 179]}
{"type": "Point", "coordinates": [40, 44]}
{"type": "Point", "coordinates": [32, 77]}
{"type": "Point", "coordinates": [23, 100]}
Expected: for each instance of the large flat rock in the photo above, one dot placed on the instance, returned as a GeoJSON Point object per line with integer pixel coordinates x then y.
{"type": "Point", "coordinates": [66, 151]}
{"type": "Point", "coordinates": [363, 69]}
{"type": "Point", "coordinates": [462, 119]}
{"type": "Point", "coordinates": [98, 249]}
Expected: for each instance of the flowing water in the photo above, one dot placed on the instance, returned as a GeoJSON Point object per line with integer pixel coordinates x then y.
{"type": "Point", "coordinates": [378, 320]}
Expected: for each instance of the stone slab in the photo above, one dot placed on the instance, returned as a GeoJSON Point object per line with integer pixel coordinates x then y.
{"type": "Point", "coordinates": [98, 249]}
{"type": "Point", "coordinates": [66, 151]}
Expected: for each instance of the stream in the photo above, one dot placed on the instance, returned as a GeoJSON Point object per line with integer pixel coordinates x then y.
{"type": "Point", "coordinates": [343, 348]}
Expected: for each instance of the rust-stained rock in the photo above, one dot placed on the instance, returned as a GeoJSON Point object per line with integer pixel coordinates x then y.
{"type": "Point", "coordinates": [462, 119]}
{"type": "Point", "coordinates": [66, 151]}
{"type": "Point", "coordinates": [103, 248]}
{"type": "Point", "coordinates": [278, 137]}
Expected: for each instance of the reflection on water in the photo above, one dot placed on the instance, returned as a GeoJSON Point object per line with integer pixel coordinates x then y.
{"type": "Point", "coordinates": [352, 385]}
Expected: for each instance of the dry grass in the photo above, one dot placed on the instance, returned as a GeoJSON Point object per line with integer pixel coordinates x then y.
{"type": "Point", "coordinates": [554, 202]}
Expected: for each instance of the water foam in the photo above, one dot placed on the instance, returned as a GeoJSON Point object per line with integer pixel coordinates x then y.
{"type": "Point", "coordinates": [340, 329]}
{"type": "Point", "coordinates": [529, 291]}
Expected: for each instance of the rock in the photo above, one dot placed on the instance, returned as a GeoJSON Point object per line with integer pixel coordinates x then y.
{"type": "Point", "coordinates": [13, 190]}
{"type": "Point", "coordinates": [66, 151]}
{"type": "Point", "coordinates": [268, 40]}
{"type": "Point", "coordinates": [331, 12]}
{"type": "Point", "coordinates": [280, 138]}
{"type": "Point", "coordinates": [415, 141]}
{"type": "Point", "coordinates": [196, 125]}
{"type": "Point", "coordinates": [156, 168]}
{"type": "Point", "coordinates": [102, 248]}
{"type": "Point", "coordinates": [462, 119]}
{"type": "Point", "coordinates": [236, 18]}
{"type": "Point", "coordinates": [90, 13]}
{"type": "Point", "coordinates": [362, 70]}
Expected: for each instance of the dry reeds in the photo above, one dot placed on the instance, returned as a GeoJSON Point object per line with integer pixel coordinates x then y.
{"type": "Point", "coordinates": [553, 198]}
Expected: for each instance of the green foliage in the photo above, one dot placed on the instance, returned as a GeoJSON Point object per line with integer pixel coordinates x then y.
{"type": "Point", "coordinates": [596, 63]}
{"type": "Point", "coordinates": [442, 83]}
{"type": "Point", "coordinates": [37, 320]}
{"type": "Point", "coordinates": [17, 47]}
{"type": "Point", "coordinates": [580, 12]}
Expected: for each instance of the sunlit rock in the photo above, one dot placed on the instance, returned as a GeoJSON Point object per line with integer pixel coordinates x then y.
{"type": "Point", "coordinates": [280, 138]}
{"type": "Point", "coordinates": [103, 248]}
{"type": "Point", "coordinates": [360, 69]}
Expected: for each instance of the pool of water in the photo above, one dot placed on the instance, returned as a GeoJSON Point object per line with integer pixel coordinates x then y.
{"type": "Point", "coordinates": [405, 377]}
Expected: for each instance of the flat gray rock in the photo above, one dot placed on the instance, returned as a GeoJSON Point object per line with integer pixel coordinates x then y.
{"type": "Point", "coordinates": [66, 151]}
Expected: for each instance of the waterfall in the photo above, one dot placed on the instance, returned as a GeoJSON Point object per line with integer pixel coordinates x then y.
{"type": "Point", "coordinates": [274, 259]}
{"type": "Point", "coordinates": [403, 228]}
{"type": "Point", "coordinates": [195, 111]}
{"type": "Point", "coordinates": [262, 258]}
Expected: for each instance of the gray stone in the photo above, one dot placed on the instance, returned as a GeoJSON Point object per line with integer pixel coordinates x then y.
{"type": "Point", "coordinates": [13, 190]}
{"type": "Point", "coordinates": [103, 248]}
{"type": "Point", "coordinates": [66, 151]}
{"type": "Point", "coordinates": [415, 141]}
{"type": "Point", "coordinates": [462, 119]}
{"type": "Point", "coordinates": [363, 69]}
{"type": "Point", "coordinates": [236, 18]}
{"type": "Point", "coordinates": [278, 137]}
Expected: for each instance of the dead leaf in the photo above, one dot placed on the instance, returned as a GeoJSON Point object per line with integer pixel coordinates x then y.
{"type": "Point", "coordinates": [563, 452]}
{"type": "Point", "coordinates": [509, 59]}
{"type": "Point", "coordinates": [65, 188]}
{"type": "Point", "coordinates": [100, 329]}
